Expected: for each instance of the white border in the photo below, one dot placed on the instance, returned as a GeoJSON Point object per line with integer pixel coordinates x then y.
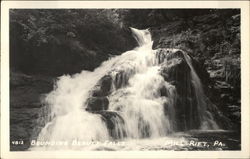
{"type": "Point", "coordinates": [6, 5]}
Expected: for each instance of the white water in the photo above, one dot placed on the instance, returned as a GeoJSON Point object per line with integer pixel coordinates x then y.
{"type": "Point", "coordinates": [137, 101]}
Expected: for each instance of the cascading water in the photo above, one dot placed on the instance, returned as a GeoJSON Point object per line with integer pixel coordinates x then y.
{"type": "Point", "coordinates": [135, 97]}
{"type": "Point", "coordinates": [207, 121]}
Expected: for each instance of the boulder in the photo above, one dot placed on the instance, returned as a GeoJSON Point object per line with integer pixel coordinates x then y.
{"type": "Point", "coordinates": [176, 71]}
{"type": "Point", "coordinates": [103, 87]}
{"type": "Point", "coordinates": [97, 103]}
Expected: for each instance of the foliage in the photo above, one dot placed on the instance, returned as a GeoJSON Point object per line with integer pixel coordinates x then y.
{"type": "Point", "coordinates": [231, 71]}
{"type": "Point", "coordinates": [64, 40]}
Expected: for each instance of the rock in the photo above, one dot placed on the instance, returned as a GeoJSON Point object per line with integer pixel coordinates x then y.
{"type": "Point", "coordinates": [163, 91]}
{"type": "Point", "coordinates": [114, 122]}
{"type": "Point", "coordinates": [176, 71]}
{"type": "Point", "coordinates": [121, 79]}
{"type": "Point", "coordinates": [97, 103]}
{"type": "Point", "coordinates": [26, 93]}
{"type": "Point", "coordinates": [103, 87]}
{"type": "Point", "coordinates": [164, 54]}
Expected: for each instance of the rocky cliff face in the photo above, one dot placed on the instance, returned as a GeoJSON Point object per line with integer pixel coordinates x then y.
{"type": "Point", "coordinates": [26, 93]}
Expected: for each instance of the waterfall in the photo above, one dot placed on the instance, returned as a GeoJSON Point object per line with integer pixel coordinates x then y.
{"type": "Point", "coordinates": [136, 107]}
{"type": "Point", "coordinates": [205, 116]}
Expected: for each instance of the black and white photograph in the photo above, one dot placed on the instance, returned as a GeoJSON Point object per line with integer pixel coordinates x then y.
{"type": "Point", "coordinates": [125, 79]}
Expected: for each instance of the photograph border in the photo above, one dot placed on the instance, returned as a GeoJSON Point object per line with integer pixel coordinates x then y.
{"type": "Point", "coordinates": [5, 90]}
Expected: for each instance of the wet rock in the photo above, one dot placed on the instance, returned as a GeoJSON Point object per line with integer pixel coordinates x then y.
{"type": "Point", "coordinates": [103, 87]}
{"type": "Point", "coordinates": [163, 91]}
{"type": "Point", "coordinates": [121, 79]}
{"type": "Point", "coordinates": [97, 103]}
{"type": "Point", "coordinates": [175, 69]}
{"type": "Point", "coordinates": [177, 72]}
{"type": "Point", "coordinates": [114, 122]}
{"type": "Point", "coordinates": [187, 115]}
